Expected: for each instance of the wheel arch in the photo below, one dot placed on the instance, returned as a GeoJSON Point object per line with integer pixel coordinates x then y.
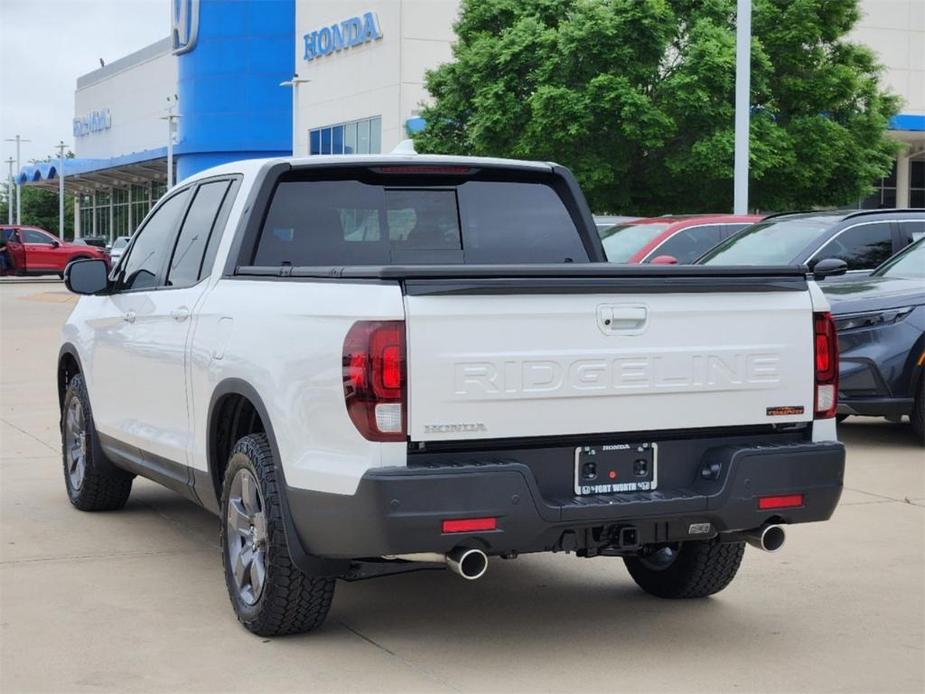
{"type": "Point", "coordinates": [68, 366]}
{"type": "Point", "coordinates": [234, 396]}
{"type": "Point", "coordinates": [235, 410]}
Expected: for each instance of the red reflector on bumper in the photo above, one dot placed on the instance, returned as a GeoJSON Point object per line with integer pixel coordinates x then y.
{"type": "Point", "coordinates": [469, 525]}
{"type": "Point", "coordinates": [788, 501]}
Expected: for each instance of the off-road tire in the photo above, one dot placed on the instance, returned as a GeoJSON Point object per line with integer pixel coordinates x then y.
{"type": "Point", "coordinates": [290, 601]}
{"type": "Point", "coordinates": [699, 569]}
{"type": "Point", "coordinates": [917, 418]}
{"type": "Point", "coordinates": [102, 486]}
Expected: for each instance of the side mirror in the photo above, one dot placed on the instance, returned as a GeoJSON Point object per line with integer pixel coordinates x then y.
{"type": "Point", "coordinates": [55, 244]}
{"type": "Point", "coordinates": [829, 267]}
{"type": "Point", "coordinates": [86, 276]}
{"type": "Point", "coordinates": [664, 260]}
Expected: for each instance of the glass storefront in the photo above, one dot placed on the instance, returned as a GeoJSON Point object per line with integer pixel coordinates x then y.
{"type": "Point", "coordinates": [109, 213]}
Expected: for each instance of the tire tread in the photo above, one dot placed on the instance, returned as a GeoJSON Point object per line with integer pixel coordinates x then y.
{"type": "Point", "coordinates": [292, 602]}
{"type": "Point", "coordinates": [701, 569]}
{"type": "Point", "coordinates": [104, 487]}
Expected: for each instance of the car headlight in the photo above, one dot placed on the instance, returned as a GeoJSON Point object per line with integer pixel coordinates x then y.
{"type": "Point", "coordinates": [871, 319]}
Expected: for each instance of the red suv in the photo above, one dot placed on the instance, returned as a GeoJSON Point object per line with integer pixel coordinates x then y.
{"type": "Point", "coordinates": [671, 239]}
{"type": "Point", "coordinates": [34, 251]}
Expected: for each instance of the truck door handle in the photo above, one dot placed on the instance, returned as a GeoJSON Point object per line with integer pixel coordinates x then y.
{"type": "Point", "coordinates": [618, 319]}
{"type": "Point", "coordinates": [180, 314]}
{"type": "Point", "coordinates": [129, 317]}
{"type": "Point", "coordinates": [628, 317]}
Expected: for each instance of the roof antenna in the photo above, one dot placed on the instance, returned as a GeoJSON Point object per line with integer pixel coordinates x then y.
{"type": "Point", "coordinates": [404, 147]}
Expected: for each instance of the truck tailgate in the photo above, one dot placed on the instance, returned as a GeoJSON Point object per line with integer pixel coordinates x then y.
{"type": "Point", "coordinates": [521, 361]}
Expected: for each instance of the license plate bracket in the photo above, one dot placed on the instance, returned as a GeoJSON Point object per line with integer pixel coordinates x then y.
{"type": "Point", "coordinates": [620, 468]}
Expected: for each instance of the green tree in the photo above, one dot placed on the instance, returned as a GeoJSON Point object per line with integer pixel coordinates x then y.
{"type": "Point", "coordinates": [40, 207]}
{"type": "Point", "coordinates": [637, 98]}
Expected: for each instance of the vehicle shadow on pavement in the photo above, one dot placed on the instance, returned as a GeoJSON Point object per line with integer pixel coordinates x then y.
{"type": "Point", "coordinates": [875, 431]}
{"type": "Point", "coordinates": [534, 597]}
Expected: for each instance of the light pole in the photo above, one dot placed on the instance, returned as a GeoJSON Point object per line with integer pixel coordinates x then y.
{"type": "Point", "coordinates": [9, 193]}
{"type": "Point", "coordinates": [294, 85]}
{"type": "Point", "coordinates": [18, 140]}
{"type": "Point", "coordinates": [743, 104]}
{"type": "Point", "coordinates": [171, 118]}
{"type": "Point", "coordinates": [61, 147]}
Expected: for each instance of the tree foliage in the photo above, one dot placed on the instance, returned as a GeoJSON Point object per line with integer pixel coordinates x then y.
{"type": "Point", "coordinates": [637, 98]}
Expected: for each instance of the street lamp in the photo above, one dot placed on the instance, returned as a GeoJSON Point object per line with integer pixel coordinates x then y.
{"type": "Point", "coordinates": [743, 104]}
{"type": "Point", "coordinates": [171, 118]}
{"type": "Point", "coordinates": [294, 84]}
{"type": "Point", "coordinates": [61, 147]}
{"type": "Point", "coordinates": [9, 193]}
{"type": "Point", "coordinates": [18, 140]}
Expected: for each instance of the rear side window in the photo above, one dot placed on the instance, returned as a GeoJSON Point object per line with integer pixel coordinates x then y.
{"type": "Point", "coordinates": [353, 222]}
{"type": "Point", "coordinates": [688, 244]}
{"type": "Point", "coordinates": [862, 247]}
{"type": "Point", "coordinates": [194, 234]}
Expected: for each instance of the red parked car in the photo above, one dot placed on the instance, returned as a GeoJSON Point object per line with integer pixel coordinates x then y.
{"type": "Point", "coordinates": [673, 239]}
{"type": "Point", "coordinates": [34, 251]}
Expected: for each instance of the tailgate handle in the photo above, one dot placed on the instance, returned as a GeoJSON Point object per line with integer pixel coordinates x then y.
{"type": "Point", "coordinates": [619, 319]}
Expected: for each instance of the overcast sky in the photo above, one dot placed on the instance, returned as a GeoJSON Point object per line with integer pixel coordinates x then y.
{"type": "Point", "coordinates": [46, 44]}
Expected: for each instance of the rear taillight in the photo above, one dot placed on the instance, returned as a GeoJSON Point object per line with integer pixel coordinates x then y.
{"type": "Point", "coordinates": [826, 355]}
{"type": "Point", "coordinates": [374, 379]}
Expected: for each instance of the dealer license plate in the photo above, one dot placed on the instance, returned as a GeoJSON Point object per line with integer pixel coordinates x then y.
{"type": "Point", "coordinates": [616, 468]}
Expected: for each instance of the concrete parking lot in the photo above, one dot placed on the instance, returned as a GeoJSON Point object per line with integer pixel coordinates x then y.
{"type": "Point", "coordinates": [135, 600]}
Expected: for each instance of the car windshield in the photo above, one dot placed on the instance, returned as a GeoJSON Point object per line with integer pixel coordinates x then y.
{"type": "Point", "coordinates": [120, 243]}
{"type": "Point", "coordinates": [624, 241]}
{"type": "Point", "coordinates": [775, 242]}
{"type": "Point", "coordinates": [907, 265]}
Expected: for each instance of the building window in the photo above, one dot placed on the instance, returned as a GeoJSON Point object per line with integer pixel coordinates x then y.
{"type": "Point", "coordinates": [917, 183]}
{"type": "Point", "coordinates": [884, 194]}
{"type": "Point", "coordinates": [356, 137]}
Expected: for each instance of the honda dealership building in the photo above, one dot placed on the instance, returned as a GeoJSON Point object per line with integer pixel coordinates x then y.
{"type": "Point", "coordinates": [235, 80]}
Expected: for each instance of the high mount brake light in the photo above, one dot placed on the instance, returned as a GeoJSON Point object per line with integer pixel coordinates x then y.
{"type": "Point", "coordinates": [826, 365]}
{"type": "Point", "coordinates": [423, 169]}
{"type": "Point", "coordinates": [374, 379]}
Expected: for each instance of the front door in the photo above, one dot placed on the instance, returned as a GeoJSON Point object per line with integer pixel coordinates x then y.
{"type": "Point", "coordinates": [15, 251]}
{"type": "Point", "coordinates": [41, 250]}
{"type": "Point", "coordinates": [139, 390]}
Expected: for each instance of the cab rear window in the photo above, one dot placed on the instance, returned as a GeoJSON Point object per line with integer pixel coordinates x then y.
{"type": "Point", "coordinates": [409, 220]}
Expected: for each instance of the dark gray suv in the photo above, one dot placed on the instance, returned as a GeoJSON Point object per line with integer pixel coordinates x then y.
{"type": "Point", "coordinates": [881, 340]}
{"type": "Point", "coordinates": [863, 239]}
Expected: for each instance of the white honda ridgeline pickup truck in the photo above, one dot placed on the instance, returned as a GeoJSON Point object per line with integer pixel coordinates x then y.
{"type": "Point", "coordinates": [369, 365]}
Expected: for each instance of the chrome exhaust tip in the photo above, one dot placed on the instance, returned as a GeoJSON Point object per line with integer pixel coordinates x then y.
{"type": "Point", "coordinates": [471, 564]}
{"type": "Point", "coordinates": [768, 538]}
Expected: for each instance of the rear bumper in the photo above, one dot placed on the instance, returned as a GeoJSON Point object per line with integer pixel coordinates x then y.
{"type": "Point", "coordinates": [400, 510]}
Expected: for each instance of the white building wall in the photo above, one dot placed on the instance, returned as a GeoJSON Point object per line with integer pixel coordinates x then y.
{"type": "Point", "coordinates": [135, 90]}
{"type": "Point", "coordinates": [895, 31]}
{"type": "Point", "coordinates": [381, 78]}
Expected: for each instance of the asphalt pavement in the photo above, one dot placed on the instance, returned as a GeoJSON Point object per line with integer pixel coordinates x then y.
{"type": "Point", "coordinates": [135, 601]}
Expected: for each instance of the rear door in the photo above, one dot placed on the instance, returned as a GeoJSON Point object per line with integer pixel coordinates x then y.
{"type": "Point", "coordinates": [522, 361]}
